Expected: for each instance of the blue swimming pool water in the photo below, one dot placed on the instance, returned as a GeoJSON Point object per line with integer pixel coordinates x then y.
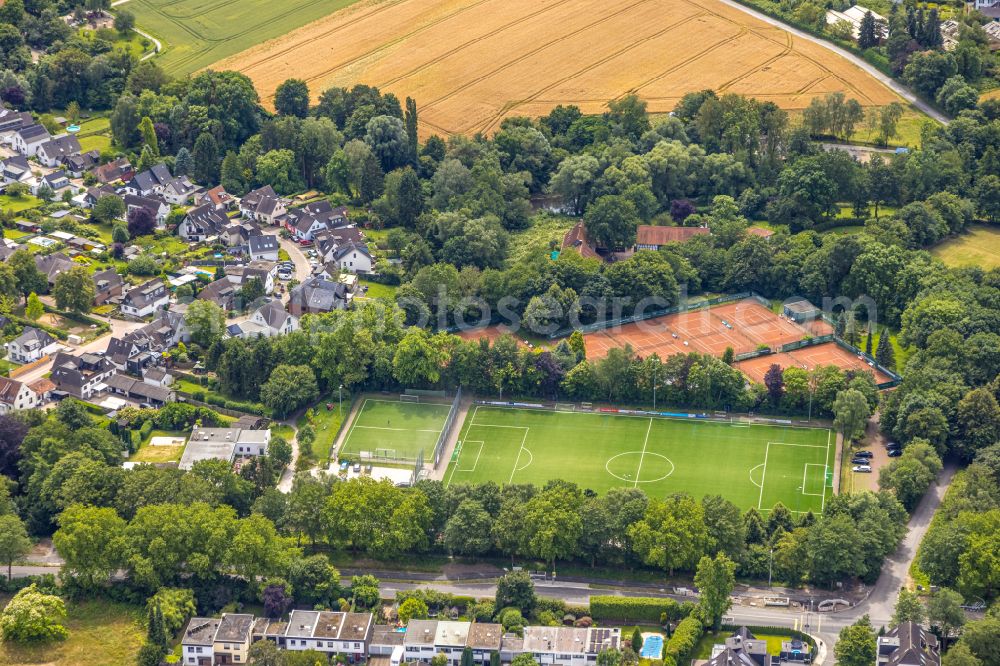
{"type": "Point", "coordinates": [652, 648]}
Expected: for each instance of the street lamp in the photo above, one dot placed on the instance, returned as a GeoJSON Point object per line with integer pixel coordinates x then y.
{"type": "Point", "coordinates": [340, 404]}
{"type": "Point", "coordinates": [770, 566]}
{"type": "Point", "coordinates": [656, 369]}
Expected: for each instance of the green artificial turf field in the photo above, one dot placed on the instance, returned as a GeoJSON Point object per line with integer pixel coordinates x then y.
{"type": "Point", "coordinates": [390, 429]}
{"type": "Point", "coordinates": [751, 465]}
{"type": "Point", "coordinates": [197, 33]}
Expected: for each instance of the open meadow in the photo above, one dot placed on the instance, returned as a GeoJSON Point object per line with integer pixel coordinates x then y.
{"type": "Point", "coordinates": [471, 63]}
{"type": "Point", "coordinates": [196, 33]}
{"type": "Point", "coordinates": [755, 465]}
{"type": "Point", "coordinates": [979, 246]}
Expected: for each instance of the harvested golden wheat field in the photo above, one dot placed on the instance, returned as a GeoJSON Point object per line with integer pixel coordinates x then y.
{"type": "Point", "coordinates": [470, 63]}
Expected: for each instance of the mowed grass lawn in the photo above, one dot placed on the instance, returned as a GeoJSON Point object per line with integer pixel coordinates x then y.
{"type": "Point", "coordinates": [395, 429]}
{"type": "Point", "coordinates": [704, 648]}
{"type": "Point", "coordinates": [979, 246]}
{"type": "Point", "coordinates": [197, 33]}
{"type": "Point", "coordinates": [100, 633]}
{"type": "Point", "coordinates": [751, 465]}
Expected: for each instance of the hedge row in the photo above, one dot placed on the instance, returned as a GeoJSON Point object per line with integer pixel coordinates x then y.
{"type": "Point", "coordinates": [637, 609]}
{"type": "Point", "coordinates": [235, 406]}
{"type": "Point", "coordinates": [680, 646]}
{"type": "Point", "coordinates": [774, 631]}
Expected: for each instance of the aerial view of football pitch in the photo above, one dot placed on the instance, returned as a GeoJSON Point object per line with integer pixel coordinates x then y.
{"type": "Point", "coordinates": [753, 465]}
{"type": "Point", "coordinates": [394, 430]}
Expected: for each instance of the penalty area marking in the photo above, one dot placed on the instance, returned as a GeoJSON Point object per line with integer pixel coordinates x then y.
{"type": "Point", "coordinates": [759, 485]}
{"type": "Point", "coordinates": [467, 443]}
{"type": "Point", "coordinates": [805, 474]}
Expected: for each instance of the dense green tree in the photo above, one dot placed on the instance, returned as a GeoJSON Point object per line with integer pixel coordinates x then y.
{"type": "Point", "coordinates": [909, 608]}
{"type": "Point", "coordinates": [14, 541]}
{"type": "Point", "coordinates": [715, 579]}
{"type": "Point", "coordinates": [611, 222]}
{"type": "Point", "coordinates": [672, 534]}
{"type": "Point", "coordinates": [291, 98]}
{"type": "Point", "coordinates": [515, 590]}
{"type": "Point", "coordinates": [33, 616]}
{"type": "Point", "coordinates": [851, 412]}
{"type": "Point", "coordinates": [288, 388]}
{"type": "Point", "coordinates": [205, 160]}
{"type": "Point", "coordinates": [206, 322]}
{"type": "Point", "coordinates": [856, 644]}
{"type": "Point", "coordinates": [74, 290]}
{"type": "Point", "coordinates": [944, 611]}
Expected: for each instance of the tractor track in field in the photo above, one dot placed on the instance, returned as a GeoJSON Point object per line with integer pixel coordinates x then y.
{"type": "Point", "coordinates": [528, 54]}
{"type": "Point", "coordinates": [397, 40]}
{"type": "Point", "coordinates": [492, 33]}
{"type": "Point", "coordinates": [376, 9]}
{"type": "Point", "coordinates": [497, 117]}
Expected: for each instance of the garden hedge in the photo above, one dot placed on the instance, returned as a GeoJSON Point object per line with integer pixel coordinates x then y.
{"type": "Point", "coordinates": [636, 609]}
{"type": "Point", "coordinates": [680, 646]}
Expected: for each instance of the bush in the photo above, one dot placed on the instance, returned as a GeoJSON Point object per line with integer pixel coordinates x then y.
{"type": "Point", "coordinates": [680, 646]}
{"type": "Point", "coordinates": [635, 609]}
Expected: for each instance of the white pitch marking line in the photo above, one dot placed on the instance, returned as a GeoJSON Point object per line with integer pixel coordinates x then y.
{"type": "Point", "coordinates": [519, 451]}
{"type": "Point", "coordinates": [396, 429]}
{"type": "Point", "coordinates": [805, 446]}
{"type": "Point", "coordinates": [763, 474]}
{"type": "Point", "coordinates": [642, 455]}
{"type": "Point", "coordinates": [751, 475]}
{"type": "Point", "coordinates": [805, 472]}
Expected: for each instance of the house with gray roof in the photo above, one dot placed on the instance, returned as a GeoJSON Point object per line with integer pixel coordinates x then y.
{"type": "Point", "coordinates": [15, 169]}
{"type": "Point", "coordinates": [146, 299]}
{"type": "Point", "coordinates": [741, 648]}
{"type": "Point", "coordinates": [210, 641]}
{"type": "Point", "coordinates": [179, 190]}
{"type": "Point", "coordinates": [263, 247]}
{"type": "Point", "coordinates": [268, 321]}
{"type": "Point", "coordinates": [262, 205]}
{"type": "Point", "coordinates": [226, 444]}
{"type": "Point", "coordinates": [202, 223]}
{"type": "Point", "coordinates": [52, 265]}
{"type": "Point", "coordinates": [81, 376]}
{"type": "Point", "coordinates": [31, 345]}
{"type": "Point", "coordinates": [79, 164]}
{"type": "Point", "coordinates": [150, 181]}
{"type": "Point", "coordinates": [55, 151]}
{"type": "Point", "coordinates": [317, 295]}
{"type": "Point", "coordinates": [27, 140]}
{"type": "Point", "coordinates": [140, 391]}
{"type": "Point", "coordinates": [908, 644]}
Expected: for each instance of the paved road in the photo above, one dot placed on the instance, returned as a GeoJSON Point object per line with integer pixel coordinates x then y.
{"type": "Point", "coordinates": [302, 267]}
{"type": "Point", "coordinates": [824, 626]}
{"type": "Point", "coordinates": [888, 81]}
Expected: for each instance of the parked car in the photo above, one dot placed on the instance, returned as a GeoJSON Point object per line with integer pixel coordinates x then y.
{"type": "Point", "coordinates": [865, 469]}
{"type": "Point", "coordinates": [864, 454]}
{"type": "Point", "coordinates": [895, 453]}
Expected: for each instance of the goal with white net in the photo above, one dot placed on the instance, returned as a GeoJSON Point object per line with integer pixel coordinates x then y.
{"type": "Point", "coordinates": [405, 397]}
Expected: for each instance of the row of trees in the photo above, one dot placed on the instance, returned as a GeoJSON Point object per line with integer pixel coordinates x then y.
{"type": "Point", "coordinates": [562, 522]}
{"type": "Point", "coordinates": [369, 348]}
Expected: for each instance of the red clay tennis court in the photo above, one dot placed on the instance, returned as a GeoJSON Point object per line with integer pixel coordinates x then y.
{"type": "Point", "coordinates": [743, 325]}
{"type": "Point", "coordinates": [828, 353]}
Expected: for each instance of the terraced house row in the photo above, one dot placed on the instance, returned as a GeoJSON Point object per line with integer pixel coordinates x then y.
{"type": "Point", "coordinates": [227, 640]}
